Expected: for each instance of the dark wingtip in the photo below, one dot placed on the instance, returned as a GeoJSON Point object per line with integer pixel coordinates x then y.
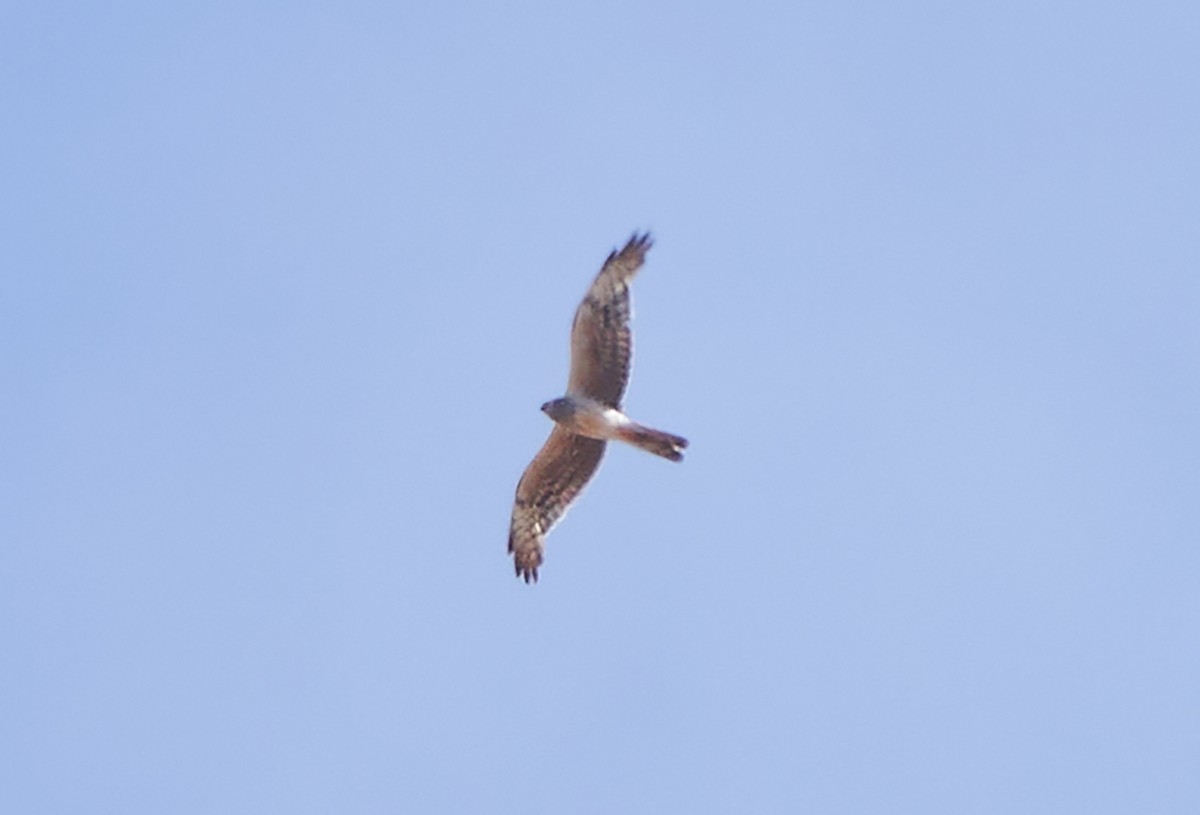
{"type": "Point", "coordinates": [524, 571]}
{"type": "Point", "coordinates": [638, 242]}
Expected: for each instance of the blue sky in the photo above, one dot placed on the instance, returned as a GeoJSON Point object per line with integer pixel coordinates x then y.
{"type": "Point", "coordinates": [283, 288]}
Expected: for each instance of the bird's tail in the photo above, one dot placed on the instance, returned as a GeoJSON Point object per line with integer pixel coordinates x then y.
{"type": "Point", "coordinates": [658, 442]}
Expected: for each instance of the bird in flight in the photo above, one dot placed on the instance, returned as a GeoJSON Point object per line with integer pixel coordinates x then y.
{"type": "Point", "coordinates": [589, 415]}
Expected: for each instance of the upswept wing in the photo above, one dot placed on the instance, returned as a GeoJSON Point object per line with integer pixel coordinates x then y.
{"type": "Point", "coordinates": [552, 481]}
{"type": "Point", "coordinates": [601, 340]}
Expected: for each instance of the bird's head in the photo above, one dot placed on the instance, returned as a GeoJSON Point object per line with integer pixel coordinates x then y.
{"type": "Point", "coordinates": [557, 408]}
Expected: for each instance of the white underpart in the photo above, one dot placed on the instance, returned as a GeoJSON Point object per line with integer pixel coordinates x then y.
{"type": "Point", "coordinates": [595, 419]}
{"type": "Point", "coordinates": [616, 418]}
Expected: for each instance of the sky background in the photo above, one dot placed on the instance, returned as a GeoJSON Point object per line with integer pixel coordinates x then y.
{"type": "Point", "coordinates": [284, 284]}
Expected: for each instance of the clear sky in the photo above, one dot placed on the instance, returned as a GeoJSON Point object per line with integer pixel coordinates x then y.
{"type": "Point", "coordinates": [284, 284]}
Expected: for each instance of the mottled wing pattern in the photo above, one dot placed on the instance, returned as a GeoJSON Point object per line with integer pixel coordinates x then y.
{"type": "Point", "coordinates": [554, 479]}
{"type": "Point", "coordinates": [601, 341]}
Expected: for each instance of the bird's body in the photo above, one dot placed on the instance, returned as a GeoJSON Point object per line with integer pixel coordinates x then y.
{"type": "Point", "coordinates": [589, 415]}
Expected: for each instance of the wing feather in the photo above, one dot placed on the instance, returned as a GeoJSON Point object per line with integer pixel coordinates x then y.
{"type": "Point", "coordinates": [601, 339]}
{"type": "Point", "coordinates": [552, 481]}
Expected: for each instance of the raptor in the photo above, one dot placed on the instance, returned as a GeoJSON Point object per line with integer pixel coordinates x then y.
{"type": "Point", "coordinates": [589, 415]}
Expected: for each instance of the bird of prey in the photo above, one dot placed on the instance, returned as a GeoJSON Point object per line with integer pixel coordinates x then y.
{"type": "Point", "coordinates": [589, 415]}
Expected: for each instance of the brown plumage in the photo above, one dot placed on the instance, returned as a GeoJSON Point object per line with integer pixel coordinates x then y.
{"type": "Point", "coordinates": [601, 338]}
{"type": "Point", "coordinates": [553, 480]}
{"type": "Point", "coordinates": [589, 414]}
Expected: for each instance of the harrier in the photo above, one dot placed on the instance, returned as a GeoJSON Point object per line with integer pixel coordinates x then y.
{"type": "Point", "coordinates": [589, 415]}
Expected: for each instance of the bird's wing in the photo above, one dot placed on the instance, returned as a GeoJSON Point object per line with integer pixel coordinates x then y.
{"type": "Point", "coordinates": [552, 481]}
{"type": "Point", "coordinates": [601, 340]}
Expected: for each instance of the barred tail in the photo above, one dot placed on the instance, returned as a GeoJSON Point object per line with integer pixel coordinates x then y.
{"type": "Point", "coordinates": [654, 441]}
